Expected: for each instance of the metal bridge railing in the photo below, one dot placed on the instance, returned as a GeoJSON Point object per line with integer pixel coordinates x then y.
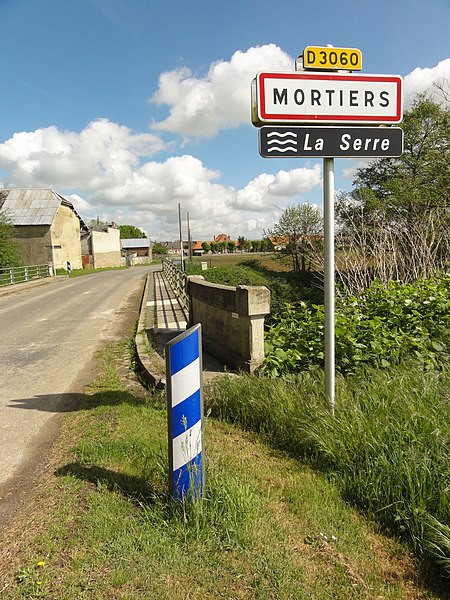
{"type": "Point", "coordinates": [178, 282]}
{"type": "Point", "coordinates": [22, 274]}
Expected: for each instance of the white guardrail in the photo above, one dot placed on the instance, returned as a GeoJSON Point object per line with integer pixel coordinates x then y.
{"type": "Point", "coordinates": [22, 274]}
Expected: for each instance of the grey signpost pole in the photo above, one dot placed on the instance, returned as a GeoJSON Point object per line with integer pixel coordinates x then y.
{"type": "Point", "coordinates": [328, 208]}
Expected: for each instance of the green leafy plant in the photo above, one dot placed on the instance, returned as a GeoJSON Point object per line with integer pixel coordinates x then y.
{"type": "Point", "coordinates": [31, 580]}
{"type": "Point", "coordinates": [379, 327]}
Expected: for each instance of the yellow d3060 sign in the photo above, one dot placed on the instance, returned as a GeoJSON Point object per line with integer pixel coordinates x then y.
{"type": "Point", "coordinates": [318, 57]}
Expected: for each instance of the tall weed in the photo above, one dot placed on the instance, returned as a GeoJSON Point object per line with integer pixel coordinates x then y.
{"type": "Point", "coordinates": [285, 286]}
{"type": "Point", "coordinates": [224, 516]}
{"type": "Point", "coordinates": [387, 448]}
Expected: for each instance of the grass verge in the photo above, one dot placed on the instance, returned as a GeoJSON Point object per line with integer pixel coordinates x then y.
{"type": "Point", "coordinates": [387, 449]}
{"type": "Point", "coordinates": [103, 527]}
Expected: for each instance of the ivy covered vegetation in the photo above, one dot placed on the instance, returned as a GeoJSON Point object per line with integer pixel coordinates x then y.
{"type": "Point", "coordinates": [380, 327]}
{"type": "Point", "coordinates": [387, 446]}
{"type": "Point", "coordinates": [9, 255]}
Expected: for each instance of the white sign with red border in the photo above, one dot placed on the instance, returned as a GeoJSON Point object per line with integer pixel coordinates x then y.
{"type": "Point", "coordinates": [306, 97]}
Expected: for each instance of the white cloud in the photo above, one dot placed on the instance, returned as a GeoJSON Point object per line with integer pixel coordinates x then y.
{"type": "Point", "coordinates": [155, 189]}
{"type": "Point", "coordinates": [81, 205]}
{"type": "Point", "coordinates": [202, 106]}
{"type": "Point", "coordinates": [352, 166]}
{"type": "Point", "coordinates": [297, 181]}
{"type": "Point", "coordinates": [270, 190]}
{"type": "Point", "coordinates": [423, 80]}
{"type": "Point", "coordinates": [104, 169]}
{"type": "Point", "coordinates": [102, 152]}
{"type": "Point", "coordinates": [112, 172]}
{"type": "Point", "coordinates": [219, 100]}
{"type": "Point", "coordinates": [418, 81]}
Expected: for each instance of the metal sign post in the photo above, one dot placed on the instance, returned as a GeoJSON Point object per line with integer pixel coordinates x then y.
{"type": "Point", "coordinates": [328, 210]}
{"type": "Point", "coordinates": [185, 414]}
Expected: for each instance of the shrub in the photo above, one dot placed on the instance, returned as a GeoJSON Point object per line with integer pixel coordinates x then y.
{"type": "Point", "coordinates": [380, 327]}
{"type": "Point", "coordinates": [285, 287]}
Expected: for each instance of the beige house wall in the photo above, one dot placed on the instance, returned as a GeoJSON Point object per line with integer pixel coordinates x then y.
{"type": "Point", "coordinates": [65, 232]}
{"type": "Point", "coordinates": [106, 248]}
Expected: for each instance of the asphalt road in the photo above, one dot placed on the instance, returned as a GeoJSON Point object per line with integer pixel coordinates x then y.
{"type": "Point", "coordinates": [48, 337]}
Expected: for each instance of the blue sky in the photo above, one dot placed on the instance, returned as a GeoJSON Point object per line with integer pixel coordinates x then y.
{"type": "Point", "coordinates": [131, 106]}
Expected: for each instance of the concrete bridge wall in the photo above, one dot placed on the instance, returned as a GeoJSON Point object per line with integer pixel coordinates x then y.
{"type": "Point", "coordinates": [232, 321]}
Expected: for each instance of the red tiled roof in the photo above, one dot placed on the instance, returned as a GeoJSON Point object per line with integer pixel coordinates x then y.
{"type": "Point", "coordinates": [222, 237]}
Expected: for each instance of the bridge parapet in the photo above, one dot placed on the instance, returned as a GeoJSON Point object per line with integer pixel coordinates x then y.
{"type": "Point", "coordinates": [232, 321]}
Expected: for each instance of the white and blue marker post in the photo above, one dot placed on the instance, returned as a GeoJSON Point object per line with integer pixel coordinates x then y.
{"type": "Point", "coordinates": [185, 414]}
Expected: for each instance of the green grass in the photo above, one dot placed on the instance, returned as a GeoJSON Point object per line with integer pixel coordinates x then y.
{"type": "Point", "coordinates": [245, 269]}
{"type": "Point", "coordinates": [223, 260]}
{"type": "Point", "coordinates": [103, 525]}
{"type": "Point", "coordinates": [387, 449]}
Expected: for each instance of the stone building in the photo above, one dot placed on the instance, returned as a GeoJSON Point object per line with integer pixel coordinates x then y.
{"type": "Point", "coordinates": [101, 248]}
{"type": "Point", "coordinates": [47, 227]}
{"type": "Point", "coordinates": [136, 251]}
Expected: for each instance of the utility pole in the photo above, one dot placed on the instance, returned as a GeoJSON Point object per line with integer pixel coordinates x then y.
{"type": "Point", "coordinates": [181, 237]}
{"type": "Point", "coordinates": [189, 239]}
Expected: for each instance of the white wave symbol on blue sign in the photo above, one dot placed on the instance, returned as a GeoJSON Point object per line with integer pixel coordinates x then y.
{"type": "Point", "coordinates": [282, 142]}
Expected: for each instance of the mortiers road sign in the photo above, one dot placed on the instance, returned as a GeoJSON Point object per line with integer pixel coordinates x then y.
{"type": "Point", "coordinates": [307, 97]}
{"type": "Point", "coordinates": [314, 113]}
{"type": "Point", "coordinates": [329, 141]}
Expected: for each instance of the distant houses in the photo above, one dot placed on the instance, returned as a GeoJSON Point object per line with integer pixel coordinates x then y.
{"type": "Point", "coordinates": [197, 248]}
{"type": "Point", "coordinates": [101, 247]}
{"type": "Point", "coordinates": [222, 244]}
{"type": "Point", "coordinates": [279, 242]}
{"type": "Point", "coordinates": [222, 238]}
{"type": "Point", "coordinates": [136, 251]}
{"type": "Point", "coordinates": [49, 230]}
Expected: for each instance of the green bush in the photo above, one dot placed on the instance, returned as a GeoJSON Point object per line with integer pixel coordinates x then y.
{"type": "Point", "coordinates": [233, 275]}
{"type": "Point", "coordinates": [285, 287]}
{"type": "Point", "coordinates": [380, 327]}
{"type": "Point", "coordinates": [9, 249]}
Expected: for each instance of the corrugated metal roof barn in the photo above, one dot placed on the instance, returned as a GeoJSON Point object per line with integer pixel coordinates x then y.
{"type": "Point", "coordinates": [130, 243]}
{"type": "Point", "coordinates": [47, 227]}
{"type": "Point", "coordinates": [28, 206]}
